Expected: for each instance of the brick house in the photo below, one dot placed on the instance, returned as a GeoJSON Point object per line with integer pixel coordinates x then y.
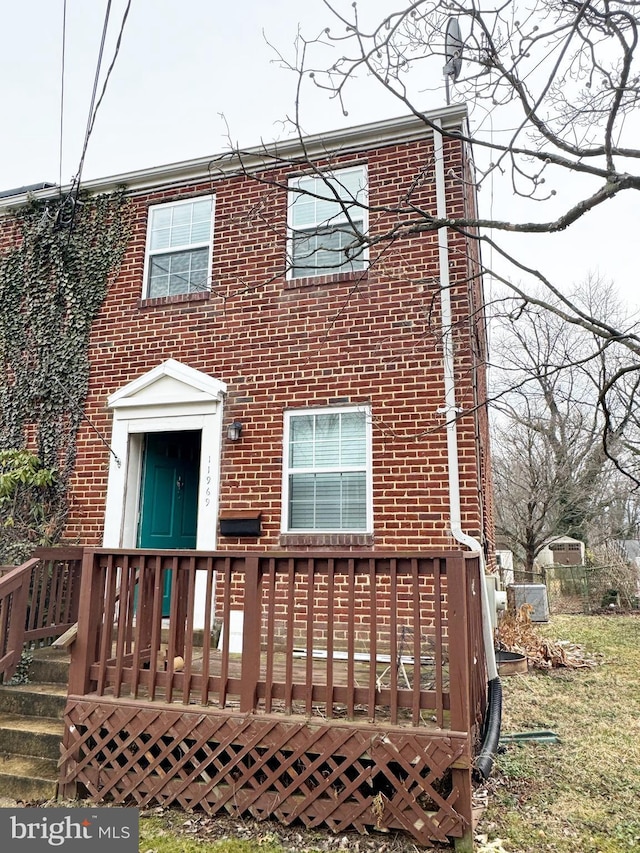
{"type": "Point", "coordinates": [297, 347]}
{"type": "Point", "coordinates": [264, 381]}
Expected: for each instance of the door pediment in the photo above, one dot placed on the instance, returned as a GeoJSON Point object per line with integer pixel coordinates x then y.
{"type": "Point", "coordinates": [169, 384]}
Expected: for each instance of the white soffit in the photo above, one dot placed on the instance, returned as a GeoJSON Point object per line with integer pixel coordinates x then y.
{"type": "Point", "coordinates": [170, 383]}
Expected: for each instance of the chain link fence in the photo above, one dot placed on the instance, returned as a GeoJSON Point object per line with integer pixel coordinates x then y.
{"type": "Point", "coordinates": [586, 589]}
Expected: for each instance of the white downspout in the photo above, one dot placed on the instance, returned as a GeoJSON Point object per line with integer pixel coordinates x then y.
{"type": "Point", "coordinates": [450, 409]}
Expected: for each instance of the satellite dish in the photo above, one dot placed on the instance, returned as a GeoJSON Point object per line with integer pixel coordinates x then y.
{"type": "Point", "coordinates": [453, 52]}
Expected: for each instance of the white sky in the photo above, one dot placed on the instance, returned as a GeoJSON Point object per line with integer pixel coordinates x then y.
{"type": "Point", "coordinates": [185, 63]}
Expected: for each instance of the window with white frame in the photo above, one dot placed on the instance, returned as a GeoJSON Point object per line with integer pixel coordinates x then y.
{"type": "Point", "coordinates": [327, 471]}
{"type": "Point", "coordinates": [326, 213]}
{"type": "Point", "coordinates": [179, 238]}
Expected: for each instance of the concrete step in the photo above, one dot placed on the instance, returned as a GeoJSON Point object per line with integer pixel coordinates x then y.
{"type": "Point", "coordinates": [27, 778]}
{"type": "Point", "coordinates": [39, 737]}
{"type": "Point", "coordinates": [50, 666]}
{"type": "Point", "coordinates": [31, 728]}
{"type": "Point", "coordinates": [33, 700]}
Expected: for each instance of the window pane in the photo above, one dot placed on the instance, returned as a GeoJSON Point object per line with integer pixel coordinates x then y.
{"type": "Point", "coordinates": [301, 501]}
{"type": "Point", "coordinates": [328, 210]}
{"type": "Point", "coordinates": [328, 426]}
{"type": "Point", "coordinates": [180, 263]}
{"type": "Point", "coordinates": [353, 425]}
{"type": "Point", "coordinates": [202, 210]}
{"type": "Point", "coordinates": [327, 454]}
{"type": "Point", "coordinates": [200, 232]}
{"type": "Point", "coordinates": [180, 235]}
{"type": "Point", "coordinates": [160, 238]}
{"type": "Point", "coordinates": [301, 432]}
{"type": "Point", "coordinates": [304, 247]}
{"type": "Point", "coordinates": [303, 211]}
{"type": "Point", "coordinates": [181, 215]}
{"type": "Point", "coordinates": [161, 217]}
{"type": "Point", "coordinates": [301, 455]}
{"type": "Point", "coordinates": [301, 428]}
{"type": "Point", "coordinates": [328, 502]}
{"type": "Point", "coordinates": [158, 284]}
{"type": "Point", "coordinates": [351, 185]}
{"type": "Point", "coordinates": [354, 501]}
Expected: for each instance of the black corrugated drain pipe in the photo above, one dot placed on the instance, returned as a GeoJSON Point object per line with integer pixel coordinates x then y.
{"type": "Point", "coordinates": [491, 729]}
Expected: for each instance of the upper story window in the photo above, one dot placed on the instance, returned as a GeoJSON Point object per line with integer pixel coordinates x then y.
{"type": "Point", "coordinates": [327, 471]}
{"type": "Point", "coordinates": [179, 236]}
{"type": "Point", "coordinates": [326, 212]}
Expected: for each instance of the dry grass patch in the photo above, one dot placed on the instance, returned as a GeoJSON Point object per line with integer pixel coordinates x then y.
{"type": "Point", "coordinates": [582, 794]}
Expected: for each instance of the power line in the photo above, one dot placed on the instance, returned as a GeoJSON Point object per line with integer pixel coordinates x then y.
{"type": "Point", "coordinates": [111, 66]}
{"type": "Point", "coordinates": [91, 117]}
{"type": "Point", "coordinates": [93, 108]}
{"type": "Point", "coordinates": [64, 45]}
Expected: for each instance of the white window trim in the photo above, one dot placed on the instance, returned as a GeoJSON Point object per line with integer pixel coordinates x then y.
{"type": "Point", "coordinates": [334, 174]}
{"type": "Point", "coordinates": [149, 253]}
{"type": "Point", "coordinates": [325, 410]}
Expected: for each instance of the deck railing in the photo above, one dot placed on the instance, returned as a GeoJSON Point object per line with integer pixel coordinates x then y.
{"type": "Point", "coordinates": [38, 602]}
{"type": "Point", "coordinates": [379, 637]}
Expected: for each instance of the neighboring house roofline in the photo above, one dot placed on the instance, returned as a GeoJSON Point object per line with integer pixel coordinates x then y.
{"type": "Point", "coordinates": [264, 156]}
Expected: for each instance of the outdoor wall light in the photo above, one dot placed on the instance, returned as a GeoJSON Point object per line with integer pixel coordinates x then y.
{"type": "Point", "coordinates": [234, 431]}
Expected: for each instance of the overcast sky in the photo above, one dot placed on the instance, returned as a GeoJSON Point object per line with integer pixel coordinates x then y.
{"type": "Point", "coordinates": [187, 70]}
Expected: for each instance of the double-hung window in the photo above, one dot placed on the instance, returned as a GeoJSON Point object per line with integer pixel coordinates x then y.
{"type": "Point", "coordinates": [327, 471]}
{"type": "Point", "coordinates": [179, 236]}
{"type": "Point", "coordinates": [327, 215]}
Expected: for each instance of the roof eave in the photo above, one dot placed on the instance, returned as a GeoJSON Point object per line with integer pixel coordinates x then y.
{"type": "Point", "coordinates": [266, 155]}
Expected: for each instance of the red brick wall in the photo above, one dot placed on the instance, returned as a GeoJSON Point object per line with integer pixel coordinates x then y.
{"type": "Point", "coordinates": [373, 338]}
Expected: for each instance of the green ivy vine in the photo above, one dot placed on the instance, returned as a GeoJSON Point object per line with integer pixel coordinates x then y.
{"type": "Point", "coordinates": [53, 282]}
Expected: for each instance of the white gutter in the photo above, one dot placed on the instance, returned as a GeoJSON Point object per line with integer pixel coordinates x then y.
{"type": "Point", "coordinates": [450, 409]}
{"type": "Point", "coordinates": [268, 155]}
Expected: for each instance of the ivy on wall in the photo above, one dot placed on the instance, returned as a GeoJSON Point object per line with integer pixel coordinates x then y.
{"type": "Point", "coordinates": [24, 510]}
{"type": "Point", "coordinates": [53, 281]}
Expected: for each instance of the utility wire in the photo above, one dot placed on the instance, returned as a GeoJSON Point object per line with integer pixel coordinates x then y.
{"type": "Point", "coordinates": [93, 109]}
{"type": "Point", "coordinates": [86, 418]}
{"type": "Point", "coordinates": [72, 197]}
{"type": "Point", "coordinates": [110, 69]}
{"type": "Point", "coordinates": [64, 45]}
{"type": "Point", "coordinates": [91, 116]}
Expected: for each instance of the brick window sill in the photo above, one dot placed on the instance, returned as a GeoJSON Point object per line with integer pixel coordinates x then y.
{"type": "Point", "coordinates": [180, 298]}
{"type": "Point", "coordinates": [320, 540]}
{"type": "Point", "coordinates": [321, 280]}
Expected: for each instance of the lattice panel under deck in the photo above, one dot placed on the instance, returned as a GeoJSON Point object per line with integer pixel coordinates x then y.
{"type": "Point", "coordinates": [339, 775]}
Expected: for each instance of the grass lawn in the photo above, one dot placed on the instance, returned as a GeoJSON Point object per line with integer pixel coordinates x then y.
{"type": "Point", "coordinates": [581, 795]}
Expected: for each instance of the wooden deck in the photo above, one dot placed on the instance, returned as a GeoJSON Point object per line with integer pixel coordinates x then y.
{"type": "Point", "coordinates": [355, 700]}
{"type": "Point", "coordinates": [299, 671]}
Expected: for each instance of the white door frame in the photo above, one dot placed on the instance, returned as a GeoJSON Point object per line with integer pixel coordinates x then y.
{"type": "Point", "coordinates": [171, 397]}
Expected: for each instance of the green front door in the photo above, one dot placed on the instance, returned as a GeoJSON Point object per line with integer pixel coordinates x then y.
{"type": "Point", "coordinates": [169, 495]}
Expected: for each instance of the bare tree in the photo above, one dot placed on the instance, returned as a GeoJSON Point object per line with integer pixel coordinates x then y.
{"type": "Point", "coordinates": [552, 474]}
{"type": "Point", "coordinates": [552, 87]}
